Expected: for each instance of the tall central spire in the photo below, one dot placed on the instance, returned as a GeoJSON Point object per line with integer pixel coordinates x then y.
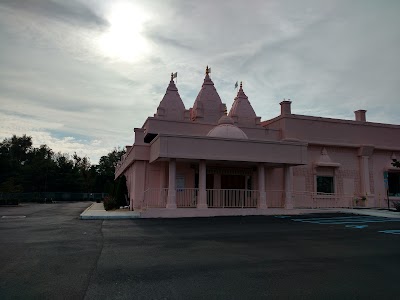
{"type": "Point", "coordinates": [207, 79]}
{"type": "Point", "coordinates": [208, 106]}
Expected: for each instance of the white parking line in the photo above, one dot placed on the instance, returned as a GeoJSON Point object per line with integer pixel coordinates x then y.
{"type": "Point", "coordinates": [356, 226]}
{"type": "Point", "coordinates": [13, 217]}
{"type": "Point", "coordinates": [347, 220]}
{"type": "Point", "coordinates": [392, 231]}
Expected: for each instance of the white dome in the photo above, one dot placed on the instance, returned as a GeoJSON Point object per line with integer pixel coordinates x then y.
{"type": "Point", "coordinates": [226, 129]}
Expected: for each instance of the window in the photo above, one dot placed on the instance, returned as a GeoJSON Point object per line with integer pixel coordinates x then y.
{"type": "Point", "coordinates": [325, 184]}
{"type": "Point", "coordinates": [394, 184]}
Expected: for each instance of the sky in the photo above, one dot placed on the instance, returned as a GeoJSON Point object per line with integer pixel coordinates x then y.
{"type": "Point", "coordinates": [80, 75]}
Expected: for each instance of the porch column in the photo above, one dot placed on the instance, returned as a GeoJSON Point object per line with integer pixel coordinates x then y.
{"type": "Point", "coordinates": [288, 187]}
{"type": "Point", "coordinates": [202, 201]}
{"type": "Point", "coordinates": [171, 199]}
{"type": "Point", "coordinates": [261, 186]}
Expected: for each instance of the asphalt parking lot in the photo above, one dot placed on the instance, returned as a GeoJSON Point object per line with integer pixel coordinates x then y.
{"type": "Point", "coordinates": [48, 253]}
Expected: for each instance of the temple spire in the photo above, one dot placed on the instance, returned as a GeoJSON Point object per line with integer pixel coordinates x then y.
{"type": "Point", "coordinates": [171, 106]}
{"type": "Point", "coordinates": [242, 112]}
{"type": "Point", "coordinates": [208, 106]}
{"type": "Point", "coordinates": [208, 70]}
{"type": "Point", "coordinates": [207, 79]}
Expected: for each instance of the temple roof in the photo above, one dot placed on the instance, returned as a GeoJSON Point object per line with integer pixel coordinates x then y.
{"type": "Point", "coordinates": [171, 106]}
{"type": "Point", "coordinates": [208, 106]}
{"type": "Point", "coordinates": [226, 129]}
{"type": "Point", "coordinates": [242, 111]}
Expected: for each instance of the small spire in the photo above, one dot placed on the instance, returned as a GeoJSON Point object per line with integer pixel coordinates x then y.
{"type": "Point", "coordinates": [241, 85]}
{"type": "Point", "coordinates": [207, 70]}
{"type": "Point", "coordinates": [172, 76]}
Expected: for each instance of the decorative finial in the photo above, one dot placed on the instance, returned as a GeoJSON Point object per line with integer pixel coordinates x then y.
{"type": "Point", "coordinates": [225, 110]}
{"type": "Point", "coordinates": [207, 70]}
{"type": "Point", "coordinates": [241, 85]}
{"type": "Point", "coordinates": [172, 76]}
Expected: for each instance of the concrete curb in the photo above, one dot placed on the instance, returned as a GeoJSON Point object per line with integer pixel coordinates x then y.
{"type": "Point", "coordinates": [110, 217]}
{"type": "Point", "coordinates": [372, 212]}
{"type": "Point", "coordinates": [89, 207]}
{"type": "Point", "coordinates": [96, 211]}
{"type": "Point", "coordinates": [229, 212]}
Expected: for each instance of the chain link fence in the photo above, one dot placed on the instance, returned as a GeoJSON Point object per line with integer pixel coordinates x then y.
{"type": "Point", "coordinates": [49, 197]}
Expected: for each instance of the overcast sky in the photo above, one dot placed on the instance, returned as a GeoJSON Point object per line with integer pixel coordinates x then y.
{"type": "Point", "coordinates": [80, 75]}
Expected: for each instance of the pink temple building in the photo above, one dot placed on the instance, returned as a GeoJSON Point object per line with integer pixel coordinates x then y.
{"type": "Point", "coordinates": [189, 161]}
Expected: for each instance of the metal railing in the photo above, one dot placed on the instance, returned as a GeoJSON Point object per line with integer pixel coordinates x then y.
{"type": "Point", "coordinates": [52, 196]}
{"type": "Point", "coordinates": [241, 198]}
{"type": "Point", "coordinates": [186, 197]}
{"type": "Point", "coordinates": [232, 198]}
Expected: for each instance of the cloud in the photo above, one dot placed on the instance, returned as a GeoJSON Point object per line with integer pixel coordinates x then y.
{"type": "Point", "coordinates": [330, 58]}
{"type": "Point", "coordinates": [71, 11]}
{"type": "Point", "coordinates": [93, 145]}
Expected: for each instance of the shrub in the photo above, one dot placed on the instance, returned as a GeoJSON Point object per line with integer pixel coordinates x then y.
{"type": "Point", "coordinates": [396, 205]}
{"type": "Point", "coordinates": [109, 203]}
{"type": "Point", "coordinates": [120, 191]}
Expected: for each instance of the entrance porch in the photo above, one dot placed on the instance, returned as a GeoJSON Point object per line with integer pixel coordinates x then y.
{"type": "Point", "coordinates": [246, 199]}
{"type": "Point", "coordinates": [213, 184]}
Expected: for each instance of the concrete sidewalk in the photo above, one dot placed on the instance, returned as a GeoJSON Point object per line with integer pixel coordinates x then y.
{"type": "Point", "coordinates": [97, 212]}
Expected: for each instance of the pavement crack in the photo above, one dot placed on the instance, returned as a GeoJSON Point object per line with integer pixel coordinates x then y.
{"type": "Point", "coordinates": [94, 268]}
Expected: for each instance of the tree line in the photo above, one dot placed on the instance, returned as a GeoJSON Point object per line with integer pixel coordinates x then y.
{"type": "Point", "coordinates": [24, 168]}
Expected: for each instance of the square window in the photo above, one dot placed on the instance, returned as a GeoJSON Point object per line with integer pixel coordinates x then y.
{"type": "Point", "coordinates": [394, 184]}
{"type": "Point", "coordinates": [325, 184]}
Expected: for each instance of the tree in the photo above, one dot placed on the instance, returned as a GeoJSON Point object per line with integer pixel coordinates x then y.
{"type": "Point", "coordinates": [82, 165]}
{"type": "Point", "coordinates": [108, 162]}
{"type": "Point", "coordinates": [14, 154]}
{"type": "Point", "coordinates": [38, 170]}
{"type": "Point", "coordinates": [106, 170]}
{"type": "Point", "coordinates": [24, 168]}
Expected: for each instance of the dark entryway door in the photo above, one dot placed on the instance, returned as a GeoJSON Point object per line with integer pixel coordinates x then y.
{"type": "Point", "coordinates": [209, 181]}
{"type": "Point", "coordinates": [233, 182]}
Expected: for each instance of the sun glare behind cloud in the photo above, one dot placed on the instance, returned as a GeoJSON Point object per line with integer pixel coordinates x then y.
{"type": "Point", "coordinates": [123, 39]}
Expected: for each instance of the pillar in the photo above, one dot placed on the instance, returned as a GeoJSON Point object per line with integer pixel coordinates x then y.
{"type": "Point", "coordinates": [261, 186]}
{"type": "Point", "coordinates": [365, 186]}
{"type": "Point", "coordinates": [365, 152]}
{"type": "Point", "coordinates": [288, 187]}
{"type": "Point", "coordinates": [139, 175]}
{"type": "Point", "coordinates": [171, 199]}
{"type": "Point", "coordinates": [202, 201]}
